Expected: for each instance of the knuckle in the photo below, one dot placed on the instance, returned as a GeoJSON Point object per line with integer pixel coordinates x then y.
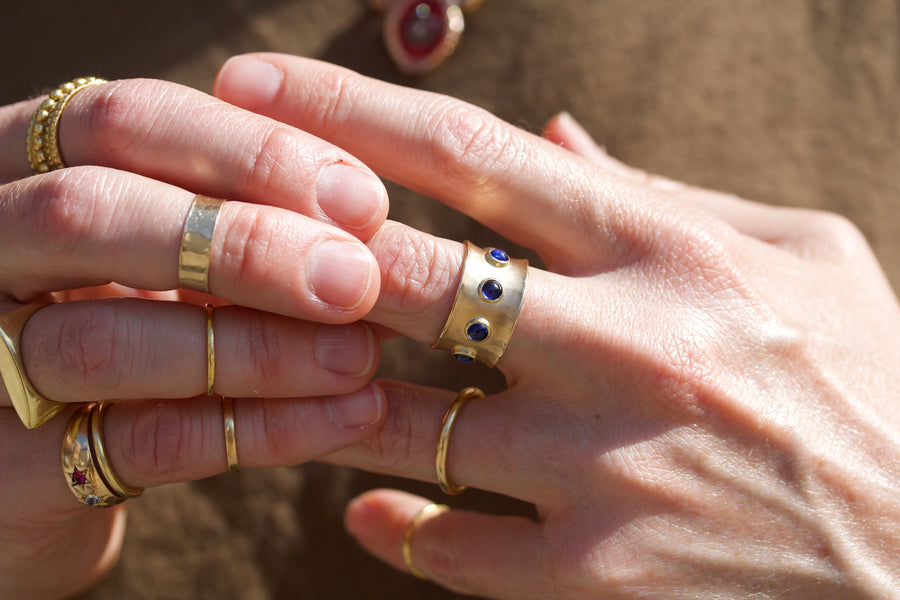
{"type": "Point", "coordinates": [65, 208]}
{"type": "Point", "coordinates": [159, 439]}
{"type": "Point", "coordinates": [393, 448]}
{"type": "Point", "coordinates": [266, 167]}
{"type": "Point", "coordinates": [107, 122]}
{"type": "Point", "coordinates": [84, 352]}
{"type": "Point", "coordinates": [247, 248]}
{"type": "Point", "coordinates": [417, 270]}
{"type": "Point", "coordinates": [333, 100]}
{"type": "Point", "coordinates": [469, 138]}
{"type": "Point", "coordinates": [264, 350]}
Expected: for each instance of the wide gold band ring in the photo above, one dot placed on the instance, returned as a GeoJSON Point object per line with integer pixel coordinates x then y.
{"type": "Point", "coordinates": [443, 445]}
{"type": "Point", "coordinates": [428, 511]}
{"type": "Point", "coordinates": [234, 465]}
{"type": "Point", "coordinates": [196, 242]}
{"type": "Point", "coordinates": [42, 141]}
{"type": "Point", "coordinates": [486, 308]}
{"type": "Point", "coordinates": [33, 408]}
{"type": "Point", "coordinates": [79, 463]}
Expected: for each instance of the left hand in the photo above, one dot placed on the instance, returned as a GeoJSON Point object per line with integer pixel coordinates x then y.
{"type": "Point", "coordinates": [702, 389]}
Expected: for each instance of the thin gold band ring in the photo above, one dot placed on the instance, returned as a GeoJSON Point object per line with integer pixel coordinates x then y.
{"type": "Point", "coordinates": [443, 445]}
{"type": "Point", "coordinates": [427, 512]}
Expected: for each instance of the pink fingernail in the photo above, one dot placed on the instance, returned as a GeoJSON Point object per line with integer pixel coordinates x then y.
{"type": "Point", "coordinates": [340, 273]}
{"type": "Point", "coordinates": [248, 82]}
{"type": "Point", "coordinates": [359, 409]}
{"type": "Point", "coordinates": [350, 196]}
{"type": "Point", "coordinates": [345, 349]}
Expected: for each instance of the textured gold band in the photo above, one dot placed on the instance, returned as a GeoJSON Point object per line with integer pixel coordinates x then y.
{"type": "Point", "coordinates": [230, 441]}
{"type": "Point", "coordinates": [487, 305]}
{"type": "Point", "coordinates": [443, 445]}
{"type": "Point", "coordinates": [196, 241]}
{"type": "Point", "coordinates": [42, 141]}
{"type": "Point", "coordinates": [101, 460]}
{"type": "Point", "coordinates": [79, 463]}
{"type": "Point", "coordinates": [210, 352]}
{"type": "Point", "coordinates": [33, 408]}
{"type": "Point", "coordinates": [428, 511]}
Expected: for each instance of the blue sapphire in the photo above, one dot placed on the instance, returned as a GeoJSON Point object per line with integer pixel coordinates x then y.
{"type": "Point", "coordinates": [478, 331]}
{"type": "Point", "coordinates": [491, 290]}
{"type": "Point", "coordinates": [497, 257]}
{"type": "Point", "coordinates": [464, 358]}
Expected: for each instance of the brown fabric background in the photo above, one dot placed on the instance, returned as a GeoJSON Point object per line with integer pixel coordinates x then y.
{"type": "Point", "coordinates": [784, 101]}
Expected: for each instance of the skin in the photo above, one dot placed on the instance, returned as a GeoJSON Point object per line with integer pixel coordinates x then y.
{"type": "Point", "coordinates": [701, 388]}
{"type": "Point", "coordinates": [134, 149]}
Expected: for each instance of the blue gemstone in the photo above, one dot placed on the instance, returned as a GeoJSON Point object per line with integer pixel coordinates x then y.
{"type": "Point", "coordinates": [477, 332]}
{"type": "Point", "coordinates": [491, 290]}
{"type": "Point", "coordinates": [499, 255]}
{"type": "Point", "coordinates": [464, 358]}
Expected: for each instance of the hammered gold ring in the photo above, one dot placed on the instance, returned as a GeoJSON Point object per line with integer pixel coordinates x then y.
{"type": "Point", "coordinates": [443, 445]}
{"type": "Point", "coordinates": [196, 242]}
{"type": "Point", "coordinates": [428, 511]}
{"type": "Point", "coordinates": [486, 307]}
{"type": "Point", "coordinates": [33, 408]}
{"type": "Point", "coordinates": [79, 462]}
{"type": "Point", "coordinates": [42, 141]}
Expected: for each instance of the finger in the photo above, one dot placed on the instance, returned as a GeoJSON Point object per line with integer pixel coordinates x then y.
{"type": "Point", "coordinates": [155, 442]}
{"type": "Point", "coordinates": [419, 277]}
{"type": "Point", "coordinates": [86, 226]}
{"type": "Point", "coordinates": [788, 228]}
{"type": "Point", "coordinates": [502, 176]}
{"type": "Point", "coordinates": [118, 349]}
{"type": "Point", "coordinates": [470, 553]}
{"type": "Point", "coordinates": [179, 135]}
{"type": "Point", "coordinates": [405, 444]}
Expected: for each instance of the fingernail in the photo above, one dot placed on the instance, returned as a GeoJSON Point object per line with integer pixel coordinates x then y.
{"type": "Point", "coordinates": [350, 196]}
{"type": "Point", "coordinates": [359, 409]}
{"type": "Point", "coordinates": [248, 82]}
{"type": "Point", "coordinates": [345, 349]}
{"type": "Point", "coordinates": [340, 273]}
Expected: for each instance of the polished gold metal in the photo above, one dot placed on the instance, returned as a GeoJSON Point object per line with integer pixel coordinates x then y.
{"type": "Point", "coordinates": [196, 241]}
{"type": "Point", "coordinates": [428, 511]}
{"type": "Point", "coordinates": [497, 316]}
{"type": "Point", "coordinates": [101, 460]}
{"type": "Point", "coordinates": [230, 442]}
{"type": "Point", "coordinates": [42, 141]}
{"type": "Point", "coordinates": [443, 445]}
{"type": "Point", "coordinates": [33, 408]}
{"type": "Point", "coordinates": [210, 352]}
{"type": "Point", "coordinates": [79, 463]}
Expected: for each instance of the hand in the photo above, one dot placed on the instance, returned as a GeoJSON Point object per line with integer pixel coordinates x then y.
{"type": "Point", "coordinates": [702, 389]}
{"type": "Point", "coordinates": [288, 248]}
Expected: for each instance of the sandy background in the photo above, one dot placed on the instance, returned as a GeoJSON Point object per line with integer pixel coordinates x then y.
{"type": "Point", "coordinates": [784, 101]}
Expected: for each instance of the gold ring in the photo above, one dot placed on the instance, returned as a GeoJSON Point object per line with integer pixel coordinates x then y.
{"type": "Point", "coordinates": [230, 442]}
{"type": "Point", "coordinates": [428, 511]}
{"type": "Point", "coordinates": [196, 241]}
{"type": "Point", "coordinates": [210, 352]}
{"type": "Point", "coordinates": [79, 463]}
{"type": "Point", "coordinates": [443, 445]}
{"type": "Point", "coordinates": [101, 461]}
{"type": "Point", "coordinates": [486, 308]}
{"type": "Point", "coordinates": [42, 141]}
{"type": "Point", "coordinates": [33, 408]}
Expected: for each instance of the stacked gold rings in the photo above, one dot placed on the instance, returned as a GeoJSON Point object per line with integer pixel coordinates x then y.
{"type": "Point", "coordinates": [486, 308]}
{"type": "Point", "coordinates": [85, 464]}
{"type": "Point", "coordinates": [42, 141]}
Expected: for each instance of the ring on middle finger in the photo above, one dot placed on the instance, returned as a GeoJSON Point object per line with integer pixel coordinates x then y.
{"type": "Point", "coordinates": [486, 307]}
{"type": "Point", "coordinates": [443, 445]}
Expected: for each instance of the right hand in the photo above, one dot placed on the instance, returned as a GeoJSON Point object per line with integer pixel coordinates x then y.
{"type": "Point", "coordinates": [288, 248]}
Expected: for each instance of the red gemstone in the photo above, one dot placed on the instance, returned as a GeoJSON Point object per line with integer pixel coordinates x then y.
{"type": "Point", "coordinates": [79, 477]}
{"type": "Point", "coordinates": [423, 26]}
